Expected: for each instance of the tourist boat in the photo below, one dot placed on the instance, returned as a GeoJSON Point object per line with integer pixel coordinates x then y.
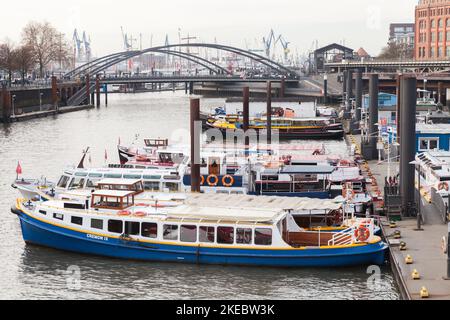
{"type": "Point", "coordinates": [289, 128]}
{"type": "Point", "coordinates": [233, 233]}
{"type": "Point", "coordinates": [434, 170]}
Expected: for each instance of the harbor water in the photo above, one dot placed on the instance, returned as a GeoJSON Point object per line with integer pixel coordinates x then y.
{"type": "Point", "coordinates": [45, 146]}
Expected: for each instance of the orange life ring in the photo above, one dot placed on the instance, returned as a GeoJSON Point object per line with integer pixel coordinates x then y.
{"type": "Point", "coordinates": [142, 205]}
{"type": "Point", "coordinates": [443, 186]}
{"type": "Point", "coordinates": [157, 205]}
{"type": "Point", "coordinates": [362, 234]}
{"type": "Point", "coordinates": [230, 182]}
{"type": "Point", "coordinates": [140, 214]}
{"type": "Point", "coordinates": [202, 180]}
{"type": "Point", "coordinates": [210, 180]}
{"type": "Point", "coordinates": [124, 213]}
{"type": "Point", "coordinates": [345, 193]}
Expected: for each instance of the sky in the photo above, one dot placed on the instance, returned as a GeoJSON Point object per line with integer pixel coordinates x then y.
{"type": "Point", "coordinates": [241, 23]}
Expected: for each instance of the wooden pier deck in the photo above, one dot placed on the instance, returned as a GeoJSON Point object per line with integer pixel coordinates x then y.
{"type": "Point", "coordinates": [47, 113]}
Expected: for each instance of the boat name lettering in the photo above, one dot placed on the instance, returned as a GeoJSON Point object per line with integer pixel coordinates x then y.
{"type": "Point", "coordinates": [91, 236]}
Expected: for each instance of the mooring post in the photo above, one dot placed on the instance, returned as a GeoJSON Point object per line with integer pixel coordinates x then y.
{"type": "Point", "coordinates": [408, 143]}
{"type": "Point", "coordinates": [88, 89]}
{"type": "Point", "coordinates": [373, 115]}
{"type": "Point", "coordinates": [246, 114]}
{"type": "Point", "coordinates": [6, 112]}
{"type": "Point", "coordinates": [97, 89]}
{"type": "Point", "coordinates": [105, 87]}
{"type": "Point", "coordinates": [54, 92]}
{"type": "Point", "coordinates": [195, 145]}
{"type": "Point", "coordinates": [269, 112]}
{"type": "Point", "coordinates": [325, 89]}
{"type": "Point", "coordinates": [440, 92]}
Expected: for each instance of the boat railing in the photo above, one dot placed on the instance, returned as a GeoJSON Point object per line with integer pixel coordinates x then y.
{"type": "Point", "coordinates": [342, 238]}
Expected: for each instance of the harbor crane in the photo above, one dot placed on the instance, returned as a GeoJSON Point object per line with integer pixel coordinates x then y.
{"type": "Point", "coordinates": [285, 46]}
{"type": "Point", "coordinates": [87, 46]}
{"type": "Point", "coordinates": [268, 42]}
{"type": "Point", "coordinates": [78, 42]}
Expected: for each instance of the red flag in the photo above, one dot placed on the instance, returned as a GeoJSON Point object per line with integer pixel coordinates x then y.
{"type": "Point", "coordinates": [19, 168]}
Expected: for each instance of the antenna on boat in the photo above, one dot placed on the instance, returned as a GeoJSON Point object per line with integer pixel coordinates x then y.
{"type": "Point", "coordinates": [81, 164]}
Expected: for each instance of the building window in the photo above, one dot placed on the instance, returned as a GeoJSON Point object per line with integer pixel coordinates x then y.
{"type": "Point", "coordinates": [115, 226]}
{"type": "Point", "coordinates": [58, 216]}
{"type": "Point", "coordinates": [225, 235]}
{"type": "Point", "coordinates": [206, 234]}
{"type": "Point", "coordinates": [132, 228]}
{"type": "Point", "coordinates": [244, 236]}
{"type": "Point", "coordinates": [188, 233]}
{"type": "Point", "coordinates": [170, 232]}
{"type": "Point", "coordinates": [149, 230]}
{"type": "Point", "coordinates": [427, 144]}
{"type": "Point", "coordinates": [440, 36]}
{"type": "Point", "coordinates": [440, 23]}
{"type": "Point", "coordinates": [432, 52]}
{"type": "Point", "coordinates": [447, 52]}
{"type": "Point", "coordinates": [433, 36]}
{"type": "Point", "coordinates": [433, 23]}
{"type": "Point", "coordinates": [263, 237]}
{"type": "Point", "coordinates": [77, 220]}
{"type": "Point", "coordinates": [97, 224]}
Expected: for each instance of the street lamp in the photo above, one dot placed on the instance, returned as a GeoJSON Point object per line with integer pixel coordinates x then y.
{"type": "Point", "coordinates": [418, 167]}
{"type": "Point", "coordinates": [13, 107]}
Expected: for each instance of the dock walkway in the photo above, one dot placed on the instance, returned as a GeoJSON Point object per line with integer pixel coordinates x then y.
{"type": "Point", "coordinates": [47, 113]}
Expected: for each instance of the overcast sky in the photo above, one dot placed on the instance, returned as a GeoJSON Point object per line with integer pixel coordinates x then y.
{"type": "Point", "coordinates": [360, 23]}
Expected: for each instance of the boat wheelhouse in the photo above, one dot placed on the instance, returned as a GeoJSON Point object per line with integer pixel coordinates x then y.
{"type": "Point", "coordinates": [112, 226]}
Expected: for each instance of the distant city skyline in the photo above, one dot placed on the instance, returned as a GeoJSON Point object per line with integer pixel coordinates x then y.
{"type": "Point", "coordinates": [354, 23]}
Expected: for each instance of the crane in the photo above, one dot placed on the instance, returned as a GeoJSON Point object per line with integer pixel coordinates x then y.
{"type": "Point", "coordinates": [285, 46]}
{"type": "Point", "coordinates": [87, 46]}
{"type": "Point", "coordinates": [126, 44]}
{"type": "Point", "coordinates": [78, 42]}
{"type": "Point", "coordinates": [268, 42]}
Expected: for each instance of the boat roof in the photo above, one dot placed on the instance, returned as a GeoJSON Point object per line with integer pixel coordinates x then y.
{"type": "Point", "coordinates": [319, 169]}
{"type": "Point", "coordinates": [104, 170]}
{"type": "Point", "coordinates": [257, 202]}
{"type": "Point", "coordinates": [113, 193]}
{"type": "Point", "coordinates": [438, 128]}
{"type": "Point", "coordinates": [125, 182]}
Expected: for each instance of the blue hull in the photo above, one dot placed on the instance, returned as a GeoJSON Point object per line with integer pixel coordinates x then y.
{"type": "Point", "coordinates": [39, 233]}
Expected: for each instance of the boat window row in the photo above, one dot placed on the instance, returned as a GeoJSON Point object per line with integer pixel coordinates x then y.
{"type": "Point", "coordinates": [175, 232]}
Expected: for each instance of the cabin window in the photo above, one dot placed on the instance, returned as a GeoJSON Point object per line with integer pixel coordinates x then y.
{"type": "Point", "coordinates": [172, 187]}
{"type": "Point", "coordinates": [426, 144]}
{"type": "Point", "coordinates": [151, 186]}
{"type": "Point", "coordinates": [133, 177]}
{"type": "Point", "coordinates": [152, 177]}
{"type": "Point", "coordinates": [43, 212]}
{"type": "Point", "coordinates": [96, 175]}
{"type": "Point", "coordinates": [113, 176]}
{"type": "Point", "coordinates": [244, 236]}
{"type": "Point", "coordinates": [115, 226]}
{"type": "Point", "coordinates": [77, 183]}
{"type": "Point", "coordinates": [63, 182]}
{"type": "Point", "coordinates": [263, 237]}
{"type": "Point", "coordinates": [92, 183]}
{"type": "Point", "coordinates": [149, 230]}
{"type": "Point", "coordinates": [188, 233]}
{"type": "Point", "coordinates": [77, 220]}
{"type": "Point", "coordinates": [58, 216]}
{"type": "Point", "coordinates": [132, 228]}
{"type": "Point", "coordinates": [206, 234]}
{"type": "Point", "coordinates": [225, 235]}
{"type": "Point", "coordinates": [170, 232]}
{"type": "Point", "coordinates": [97, 224]}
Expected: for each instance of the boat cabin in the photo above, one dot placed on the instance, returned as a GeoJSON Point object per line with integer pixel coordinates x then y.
{"type": "Point", "coordinates": [112, 199]}
{"type": "Point", "coordinates": [135, 186]}
{"type": "Point", "coordinates": [156, 143]}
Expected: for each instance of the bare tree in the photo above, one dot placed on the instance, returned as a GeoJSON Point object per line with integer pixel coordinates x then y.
{"type": "Point", "coordinates": [24, 60]}
{"type": "Point", "coordinates": [7, 58]}
{"type": "Point", "coordinates": [396, 51]}
{"type": "Point", "coordinates": [46, 42]}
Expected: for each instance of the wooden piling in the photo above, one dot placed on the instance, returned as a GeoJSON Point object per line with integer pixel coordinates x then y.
{"type": "Point", "coordinates": [195, 146]}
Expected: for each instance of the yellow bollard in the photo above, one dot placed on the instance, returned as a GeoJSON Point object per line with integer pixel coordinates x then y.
{"type": "Point", "coordinates": [415, 275]}
{"type": "Point", "coordinates": [424, 294]}
{"type": "Point", "coordinates": [403, 246]}
{"type": "Point", "coordinates": [393, 225]}
{"type": "Point", "coordinates": [409, 260]}
{"type": "Point", "coordinates": [397, 235]}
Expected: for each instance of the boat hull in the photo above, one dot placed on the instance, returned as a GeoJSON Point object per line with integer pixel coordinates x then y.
{"type": "Point", "coordinates": [40, 233]}
{"type": "Point", "coordinates": [298, 135]}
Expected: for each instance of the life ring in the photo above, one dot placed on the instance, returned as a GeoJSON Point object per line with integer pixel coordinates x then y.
{"type": "Point", "coordinates": [140, 214]}
{"type": "Point", "coordinates": [158, 205]}
{"type": "Point", "coordinates": [228, 181]}
{"type": "Point", "coordinates": [124, 213]}
{"type": "Point", "coordinates": [344, 163]}
{"type": "Point", "coordinates": [443, 186]}
{"type": "Point", "coordinates": [142, 205]}
{"type": "Point", "coordinates": [202, 180]}
{"type": "Point", "coordinates": [212, 180]}
{"type": "Point", "coordinates": [362, 234]}
{"type": "Point", "coordinates": [345, 193]}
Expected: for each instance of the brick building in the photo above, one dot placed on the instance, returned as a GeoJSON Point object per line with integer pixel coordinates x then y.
{"type": "Point", "coordinates": [432, 30]}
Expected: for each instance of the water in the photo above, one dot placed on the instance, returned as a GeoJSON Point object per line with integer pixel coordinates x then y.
{"type": "Point", "coordinates": [46, 146]}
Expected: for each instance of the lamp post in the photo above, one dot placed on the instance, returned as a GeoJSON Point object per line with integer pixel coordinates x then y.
{"type": "Point", "coordinates": [418, 167]}
{"type": "Point", "coordinates": [13, 106]}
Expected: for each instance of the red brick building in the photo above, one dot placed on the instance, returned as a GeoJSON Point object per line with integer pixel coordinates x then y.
{"type": "Point", "coordinates": [432, 30]}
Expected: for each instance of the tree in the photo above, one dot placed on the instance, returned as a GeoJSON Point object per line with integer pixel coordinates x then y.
{"type": "Point", "coordinates": [24, 60]}
{"type": "Point", "coordinates": [46, 44]}
{"type": "Point", "coordinates": [7, 58]}
{"type": "Point", "coordinates": [396, 51]}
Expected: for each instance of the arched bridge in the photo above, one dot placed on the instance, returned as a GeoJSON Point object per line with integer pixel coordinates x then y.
{"type": "Point", "coordinates": [217, 72]}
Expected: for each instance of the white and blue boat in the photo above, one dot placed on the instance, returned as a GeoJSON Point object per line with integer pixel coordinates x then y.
{"type": "Point", "coordinates": [228, 230]}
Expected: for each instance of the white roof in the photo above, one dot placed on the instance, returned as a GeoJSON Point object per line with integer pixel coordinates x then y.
{"type": "Point", "coordinates": [438, 128]}
{"type": "Point", "coordinates": [127, 182]}
{"type": "Point", "coordinates": [112, 193]}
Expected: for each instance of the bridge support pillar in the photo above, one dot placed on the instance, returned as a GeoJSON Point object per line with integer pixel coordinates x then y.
{"type": "Point", "coordinates": [88, 89]}
{"type": "Point", "coordinates": [186, 88]}
{"type": "Point", "coordinates": [344, 86]}
{"type": "Point", "coordinates": [369, 141]}
{"type": "Point", "coordinates": [195, 145]}
{"type": "Point", "coordinates": [191, 88]}
{"type": "Point", "coordinates": [54, 93]}
{"type": "Point", "coordinates": [269, 112]}
{"type": "Point", "coordinates": [441, 96]}
{"type": "Point", "coordinates": [6, 104]}
{"type": "Point", "coordinates": [408, 144]}
{"type": "Point", "coordinates": [106, 94]}
{"type": "Point", "coordinates": [399, 106]}
{"type": "Point", "coordinates": [97, 89]}
{"type": "Point", "coordinates": [325, 89]}
{"type": "Point", "coordinates": [358, 102]}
